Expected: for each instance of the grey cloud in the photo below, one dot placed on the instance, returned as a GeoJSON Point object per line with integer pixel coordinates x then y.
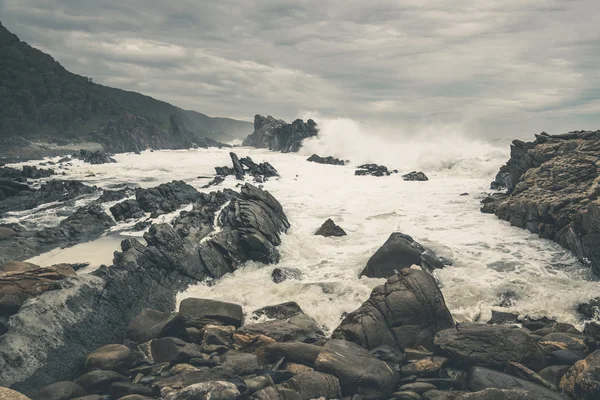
{"type": "Point", "coordinates": [498, 67]}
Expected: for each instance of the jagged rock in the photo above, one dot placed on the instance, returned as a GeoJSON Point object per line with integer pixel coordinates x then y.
{"type": "Point", "coordinates": [114, 195]}
{"type": "Point", "coordinates": [415, 176]}
{"type": "Point", "coordinates": [490, 346]}
{"type": "Point", "coordinates": [284, 273]}
{"type": "Point", "coordinates": [27, 172]}
{"type": "Point", "coordinates": [398, 252]}
{"type": "Point", "coordinates": [152, 324]}
{"type": "Point", "coordinates": [126, 210]}
{"type": "Point", "coordinates": [582, 380]}
{"type": "Point", "coordinates": [329, 228]}
{"type": "Point", "coordinates": [407, 311]}
{"type": "Point", "coordinates": [325, 160]}
{"type": "Point", "coordinates": [94, 157]}
{"type": "Point", "coordinates": [372, 169]}
{"type": "Point", "coordinates": [167, 197]}
{"type": "Point", "coordinates": [277, 135]}
{"type": "Point", "coordinates": [202, 312]}
{"type": "Point", "coordinates": [563, 341]}
{"type": "Point", "coordinates": [25, 198]}
{"type": "Point", "coordinates": [281, 311]}
{"type": "Point", "coordinates": [312, 385]}
{"type": "Point", "coordinates": [482, 378]}
{"type": "Point", "coordinates": [18, 286]}
{"type": "Point", "coordinates": [553, 189]}
{"type": "Point", "coordinates": [98, 381]}
{"type": "Point", "coordinates": [60, 391]}
{"type": "Point", "coordinates": [244, 166]}
{"type": "Point", "coordinates": [358, 371]}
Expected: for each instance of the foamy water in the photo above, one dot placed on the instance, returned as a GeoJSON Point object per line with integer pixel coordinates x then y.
{"type": "Point", "coordinates": [490, 256]}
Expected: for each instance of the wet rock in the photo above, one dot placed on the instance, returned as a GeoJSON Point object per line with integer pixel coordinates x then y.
{"type": "Point", "coordinates": [521, 371]}
{"type": "Point", "coordinates": [281, 274]}
{"type": "Point", "coordinates": [372, 169]}
{"type": "Point", "coordinates": [167, 197]}
{"type": "Point", "coordinates": [554, 374]}
{"type": "Point", "coordinates": [390, 355]}
{"type": "Point", "coordinates": [242, 363]}
{"type": "Point", "coordinates": [500, 317]}
{"type": "Point", "coordinates": [94, 157]}
{"type": "Point", "coordinates": [311, 385]}
{"type": "Point", "coordinates": [277, 135]}
{"type": "Point", "coordinates": [565, 357]}
{"type": "Point", "coordinates": [425, 367]}
{"type": "Point", "coordinates": [114, 195]}
{"type": "Point", "coordinates": [326, 160]}
{"type": "Point", "coordinates": [415, 176]}
{"type": "Point", "coordinates": [21, 284]}
{"type": "Point", "coordinates": [186, 379]}
{"type": "Point", "coordinates": [281, 311]}
{"type": "Point", "coordinates": [329, 228]}
{"type": "Point", "coordinates": [119, 390]}
{"type": "Point", "coordinates": [173, 350]}
{"type": "Point", "coordinates": [358, 371]}
{"type": "Point", "coordinates": [201, 312]}
{"type": "Point", "coordinates": [112, 357]}
{"type": "Point", "coordinates": [483, 378]}
{"type": "Point", "coordinates": [128, 209]}
{"type": "Point", "coordinates": [60, 391]}
{"type": "Point", "coordinates": [490, 345]}
{"type": "Point", "coordinates": [406, 395]}
{"type": "Point", "coordinates": [295, 352]}
{"type": "Point", "coordinates": [284, 331]}
{"type": "Point", "coordinates": [98, 381]}
{"type": "Point", "coordinates": [582, 381]}
{"type": "Point", "coordinates": [152, 324]}
{"type": "Point", "coordinates": [563, 341]}
{"type": "Point", "coordinates": [407, 311]}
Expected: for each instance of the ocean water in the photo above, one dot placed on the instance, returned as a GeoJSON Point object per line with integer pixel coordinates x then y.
{"type": "Point", "coordinates": [490, 257]}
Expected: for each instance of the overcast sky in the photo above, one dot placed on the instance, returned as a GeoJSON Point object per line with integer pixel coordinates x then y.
{"type": "Point", "coordinates": [496, 67]}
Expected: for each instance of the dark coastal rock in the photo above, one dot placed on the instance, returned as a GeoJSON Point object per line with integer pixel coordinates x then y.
{"type": "Point", "coordinates": [201, 312]}
{"type": "Point", "coordinates": [582, 381]}
{"type": "Point", "coordinates": [329, 228]}
{"type": "Point", "coordinates": [553, 189]}
{"type": "Point", "coordinates": [167, 197]}
{"type": "Point", "coordinates": [172, 350]}
{"type": "Point", "coordinates": [490, 346]}
{"type": "Point", "coordinates": [554, 373]}
{"type": "Point", "coordinates": [372, 169]}
{"type": "Point", "coordinates": [425, 367]}
{"type": "Point", "coordinates": [25, 198]}
{"type": "Point", "coordinates": [284, 273]}
{"type": "Point", "coordinates": [245, 166]}
{"type": "Point", "coordinates": [509, 394]}
{"type": "Point", "coordinates": [281, 311]}
{"type": "Point", "coordinates": [415, 176]}
{"type": "Point", "coordinates": [114, 195]}
{"type": "Point", "coordinates": [285, 331]}
{"type": "Point", "coordinates": [358, 371]}
{"type": "Point", "coordinates": [590, 309]}
{"type": "Point", "coordinates": [482, 378]}
{"type": "Point", "coordinates": [400, 251]}
{"type": "Point", "coordinates": [312, 385]}
{"type": "Point", "coordinates": [296, 352]}
{"type": "Point", "coordinates": [127, 209]}
{"type": "Point", "coordinates": [325, 160]}
{"type": "Point", "coordinates": [277, 135]}
{"type": "Point", "coordinates": [94, 157]}
{"type": "Point", "coordinates": [187, 379]}
{"type": "Point", "coordinates": [27, 172]}
{"type": "Point", "coordinates": [100, 305]}
{"type": "Point", "coordinates": [60, 391]}
{"type": "Point", "coordinates": [405, 312]}
{"type": "Point", "coordinates": [153, 324]}
{"type": "Point", "coordinates": [98, 381]}
{"type": "Point", "coordinates": [18, 286]}
{"type": "Point", "coordinates": [10, 189]}
{"type": "Point", "coordinates": [119, 390]}
{"type": "Point", "coordinates": [112, 357]}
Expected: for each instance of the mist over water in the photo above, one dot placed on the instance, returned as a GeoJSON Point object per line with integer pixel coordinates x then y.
{"type": "Point", "coordinates": [431, 148]}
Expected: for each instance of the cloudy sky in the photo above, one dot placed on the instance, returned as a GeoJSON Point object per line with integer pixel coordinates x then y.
{"type": "Point", "coordinates": [494, 67]}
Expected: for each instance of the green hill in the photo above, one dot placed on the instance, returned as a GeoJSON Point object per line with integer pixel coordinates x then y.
{"type": "Point", "coordinates": [42, 101]}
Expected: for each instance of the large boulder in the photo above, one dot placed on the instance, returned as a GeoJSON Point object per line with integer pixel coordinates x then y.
{"type": "Point", "coordinates": [358, 371]}
{"type": "Point", "coordinates": [325, 160]}
{"type": "Point", "coordinates": [312, 385]}
{"type": "Point", "coordinates": [112, 357]}
{"type": "Point", "coordinates": [152, 324]}
{"type": "Point", "coordinates": [582, 381]}
{"type": "Point", "coordinates": [482, 378]}
{"type": "Point", "coordinates": [277, 135]}
{"type": "Point", "coordinates": [407, 311]}
{"type": "Point", "coordinates": [127, 209]}
{"type": "Point", "coordinates": [202, 312]}
{"type": "Point", "coordinates": [490, 346]}
{"type": "Point", "coordinates": [60, 391]}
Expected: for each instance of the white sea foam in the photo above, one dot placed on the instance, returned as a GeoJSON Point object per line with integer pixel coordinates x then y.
{"type": "Point", "coordinates": [490, 256]}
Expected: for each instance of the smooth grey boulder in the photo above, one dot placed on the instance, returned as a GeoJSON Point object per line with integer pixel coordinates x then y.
{"type": "Point", "coordinates": [358, 371]}
{"type": "Point", "coordinates": [407, 311]}
{"type": "Point", "coordinates": [152, 324]}
{"type": "Point", "coordinates": [202, 312]}
{"type": "Point", "coordinates": [296, 352]}
{"type": "Point", "coordinates": [112, 357]}
{"type": "Point", "coordinates": [490, 346]}
{"type": "Point", "coordinates": [59, 391]}
{"type": "Point", "coordinates": [312, 385]}
{"type": "Point", "coordinates": [98, 381]}
{"type": "Point", "coordinates": [483, 378]}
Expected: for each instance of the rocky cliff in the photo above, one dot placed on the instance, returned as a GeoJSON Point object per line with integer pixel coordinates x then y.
{"type": "Point", "coordinates": [552, 186]}
{"type": "Point", "coordinates": [277, 135]}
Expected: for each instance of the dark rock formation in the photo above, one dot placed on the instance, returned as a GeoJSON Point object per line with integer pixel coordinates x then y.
{"type": "Point", "coordinates": [126, 210]}
{"type": "Point", "coordinates": [590, 309]}
{"type": "Point", "coordinates": [582, 380]}
{"type": "Point", "coordinates": [85, 224]}
{"type": "Point", "coordinates": [326, 160]}
{"type": "Point", "coordinates": [329, 228]}
{"type": "Point", "coordinates": [244, 166]}
{"type": "Point", "coordinates": [490, 346]}
{"type": "Point", "coordinates": [167, 197]}
{"type": "Point", "coordinates": [94, 157]}
{"type": "Point", "coordinates": [46, 341]}
{"type": "Point", "coordinates": [398, 252]}
{"type": "Point", "coordinates": [405, 312]}
{"type": "Point", "coordinates": [281, 311]}
{"type": "Point", "coordinates": [372, 169]}
{"type": "Point", "coordinates": [19, 197]}
{"type": "Point", "coordinates": [277, 135]}
{"type": "Point", "coordinates": [415, 176]}
{"type": "Point", "coordinates": [201, 312]}
{"type": "Point", "coordinates": [553, 189]}
{"type": "Point", "coordinates": [27, 172]}
{"type": "Point", "coordinates": [283, 274]}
